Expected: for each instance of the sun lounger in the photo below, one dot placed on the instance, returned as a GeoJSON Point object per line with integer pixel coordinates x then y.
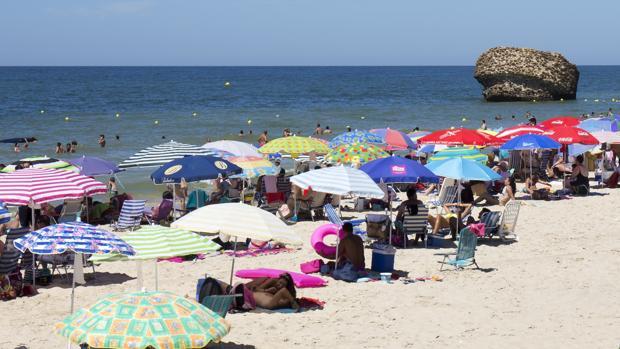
{"type": "Point", "coordinates": [465, 252]}
{"type": "Point", "coordinates": [130, 216]}
{"type": "Point", "coordinates": [507, 226]}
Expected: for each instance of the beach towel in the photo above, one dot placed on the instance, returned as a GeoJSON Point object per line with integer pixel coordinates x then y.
{"type": "Point", "coordinates": [300, 280]}
{"type": "Point", "coordinates": [477, 229]}
{"type": "Point", "coordinates": [271, 184]}
{"type": "Point", "coordinates": [305, 304]}
{"type": "Point", "coordinates": [255, 252]}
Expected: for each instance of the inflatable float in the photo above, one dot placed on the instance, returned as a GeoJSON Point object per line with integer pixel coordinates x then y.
{"type": "Point", "coordinates": [317, 240]}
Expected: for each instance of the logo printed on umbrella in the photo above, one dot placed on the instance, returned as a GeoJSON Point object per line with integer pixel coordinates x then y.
{"type": "Point", "coordinates": [398, 169]}
{"type": "Point", "coordinates": [173, 169]}
{"type": "Point", "coordinates": [221, 165]}
{"type": "Point", "coordinates": [528, 144]}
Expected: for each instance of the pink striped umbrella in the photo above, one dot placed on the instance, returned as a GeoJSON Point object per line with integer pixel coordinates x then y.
{"type": "Point", "coordinates": [519, 130]}
{"type": "Point", "coordinates": [38, 186]}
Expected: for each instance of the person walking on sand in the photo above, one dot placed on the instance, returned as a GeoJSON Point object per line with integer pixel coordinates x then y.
{"type": "Point", "coordinates": [262, 139]}
{"type": "Point", "coordinates": [101, 141]}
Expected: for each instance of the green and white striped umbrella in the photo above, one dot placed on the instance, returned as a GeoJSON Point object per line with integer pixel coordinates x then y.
{"type": "Point", "coordinates": [154, 241]}
{"type": "Point", "coordinates": [42, 162]}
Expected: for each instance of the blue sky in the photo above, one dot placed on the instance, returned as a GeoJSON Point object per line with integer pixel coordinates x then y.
{"type": "Point", "coordinates": [301, 32]}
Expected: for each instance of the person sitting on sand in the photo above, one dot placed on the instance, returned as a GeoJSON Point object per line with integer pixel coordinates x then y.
{"type": "Point", "coordinates": [579, 175]}
{"type": "Point", "coordinates": [222, 185]}
{"type": "Point", "coordinates": [481, 190]}
{"type": "Point", "coordinates": [274, 293]}
{"type": "Point", "coordinates": [350, 255]}
{"type": "Point", "coordinates": [508, 193]}
{"type": "Point", "coordinates": [534, 191]}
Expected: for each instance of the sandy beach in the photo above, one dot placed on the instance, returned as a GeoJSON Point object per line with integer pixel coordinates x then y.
{"type": "Point", "coordinates": [555, 286]}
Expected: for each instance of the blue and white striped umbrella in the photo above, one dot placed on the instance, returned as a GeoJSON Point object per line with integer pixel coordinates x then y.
{"type": "Point", "coordinates": [357, 136]}
{"type": "Point", "coordinates": [5, 215]}
{"type": "Point", "coordinates": [339, 180]}
{"type": "Point", "coordinates": [74, 236]}
{"type": "Point", "coordinates": [162, 154]}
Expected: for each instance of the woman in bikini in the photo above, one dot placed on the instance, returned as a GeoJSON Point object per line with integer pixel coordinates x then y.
{"type": "Point", "coordinates": [274, 293]}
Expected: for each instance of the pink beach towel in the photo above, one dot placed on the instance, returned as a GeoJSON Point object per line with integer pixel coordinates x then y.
{"type": "Point", "coordinates": [300, 280]}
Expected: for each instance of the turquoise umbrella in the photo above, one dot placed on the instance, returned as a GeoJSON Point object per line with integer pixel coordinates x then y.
{"type": "Point", "coordinates": [462, 170]}
{"type": "Point", "coordinates": [469, 153]}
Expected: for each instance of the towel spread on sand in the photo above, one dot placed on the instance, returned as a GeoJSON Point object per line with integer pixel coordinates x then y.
{"type": "Point", "coordinates": [255, 252]}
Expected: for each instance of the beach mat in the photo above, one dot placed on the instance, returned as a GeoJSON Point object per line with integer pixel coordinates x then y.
{"type": "Point", "coordinates": [300, 280]}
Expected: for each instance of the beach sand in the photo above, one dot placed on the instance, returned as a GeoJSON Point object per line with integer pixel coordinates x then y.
{"type": "Point", "coordinates": [557, 286]}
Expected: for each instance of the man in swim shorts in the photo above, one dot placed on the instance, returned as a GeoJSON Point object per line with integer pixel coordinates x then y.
{"type": "Point", "coordinates": [350, 255]}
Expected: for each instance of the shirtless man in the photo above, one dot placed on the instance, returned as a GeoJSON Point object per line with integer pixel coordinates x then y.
{"type": "Point", "coordinates": [350, 255]}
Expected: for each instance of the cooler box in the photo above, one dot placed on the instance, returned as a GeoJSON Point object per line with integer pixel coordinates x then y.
{"type": "Point", "coordinates": [383, 260]}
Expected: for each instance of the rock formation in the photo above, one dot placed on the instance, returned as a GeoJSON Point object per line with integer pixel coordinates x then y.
{"type": "Point", "coordinates": [524, 74]}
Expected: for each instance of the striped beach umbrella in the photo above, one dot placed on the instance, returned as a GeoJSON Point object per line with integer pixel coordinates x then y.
{"type": "Point", "coordinates": [38, 186]}
{"type": "Point", "coordinates": [253, 166]}
{"type": "Point", "coordinates": [599, 124]}
{"type": "Point", "coordinates": [154, 241]}
{"type": "Point", "coordinates": [42, 162]}
{"type": "Point", "coordinates": [161, 154]}
{"type": "Point", "coordinates": [235, 148]}
{"type": "Point", "coordinates": [357, 136]}
{"type": "Point", "coordinates": [355, 153]}
{"type": "Point", "coordinates": [469, 153]}
{"type": "Point", "coordinates": [294, 145]}
{"type": "Point", "coordinates": [144, 320]}
{"type": "Point", "coordinates": [339, 180]}
{"type": "Point", "coordinates": [5, 215]}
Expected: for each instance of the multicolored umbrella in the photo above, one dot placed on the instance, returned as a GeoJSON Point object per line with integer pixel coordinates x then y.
{"type": "Point", "coordinates": [357, 136]}
{"type": "Point", "coordinates": [294, 145]}
{"type": "Point", "coordinates": [144, 320]}
{"type": "Point", "coordinates": [355, 153]}
{"type": "Point", "coordinates": [5, 215]}
{"type": "Point", "coordinates": [41, 162]}
{"type": "Point", "coordinates": [460, 136]}
{"type": "Point", "coordinates": [518, 130]}
{"type": "Point", "coordinates": [571, 135]}
{"type": "Point", "coordinates": [394, 139]}
{"type": "Point", "coordinates": [599, 124]}
{"type": "Point", "coordinates": [560, 121]}
{"type": "Point", "coordinates": [235, 148]}
{"type": "Point", "coordinates": [254, 166]}
{"type": "Point", "coordinates": [38, 186]}
{"type": "Point", "coordinates": [469, 153]}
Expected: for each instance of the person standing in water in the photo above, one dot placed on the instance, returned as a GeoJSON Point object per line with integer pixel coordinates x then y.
{"type": "Point", "coordinates": [16, 148]}
{"type": "Point", "coordinates": [101, 141]}
{"type": "Point", "coordinates": [262, 139]}
{"type": "Point", "coordinates": [318, 130]}
{"type": "Point", "coordinates": [483, 126]}
{"type": "Point", "coordinates": [59, 148]}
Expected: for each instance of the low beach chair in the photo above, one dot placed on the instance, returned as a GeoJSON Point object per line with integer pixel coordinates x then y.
{"type": "Point", "coordinates": [9, 260]}
{"type": "Point", "coordinates": [507, 226]}
{"type": "Point", "coordinates": [465, 252]}
{"type": "Point", "coordinates": [447, 195]}
{"type": "Point", "coordinates": [334, 217]}
{"type": "Point", "coordinates": [130, 216]}
{"type": "Point", "coordinates": [220, 304]}
{"type": "Point", "coordinates": [417, 224]}
{"type": "Point", "coordinates": [491, 223]}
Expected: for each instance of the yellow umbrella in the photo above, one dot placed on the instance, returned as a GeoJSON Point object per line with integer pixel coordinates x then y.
{"type": "Point", "coordinates": [294, 145]}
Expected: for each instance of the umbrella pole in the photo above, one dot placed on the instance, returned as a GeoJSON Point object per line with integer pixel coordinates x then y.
{"type": "Point", "coordinates": [75, 257]}
{"type": "Point", "coordinates": [156, 276]}
{"type": "Point", "coordinates": [531, 154]}
{"type": "Point", "coordinates": [174, 201]}
{"type": "Point", "coordinates": [232, 266]}
{"type": "Point", "coordinates": [34, 266]}
{"type": "Point", "coordinates": [139, 274]}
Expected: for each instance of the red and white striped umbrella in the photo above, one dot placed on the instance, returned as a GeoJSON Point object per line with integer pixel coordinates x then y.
{"type": "Point", "coordinates": [519, 130]}
{"type": "Point", "coordinates": [38, 186]}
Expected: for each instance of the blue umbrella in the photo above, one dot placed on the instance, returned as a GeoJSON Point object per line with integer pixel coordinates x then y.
{"type": "Point", "coordinates": [462, 169]}
{"type": "Point", "coordinates": [530, 142]}
{"type": "Point", "coordinates": [599, 124]}
{"type": "Point", "coordinates": [395, 169]}
{"type": "Point", "coordinates": [194, 168]}
{"type": "Point", "coordinates": [357, 136]}
{"type": "Point", "coordinates": [5, 215]}
{"type": "Point", "coordinates": [93, 166]}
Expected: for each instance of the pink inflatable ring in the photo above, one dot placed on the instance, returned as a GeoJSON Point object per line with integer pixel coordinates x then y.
{"type": "Point", "coordinates": [324, 250]}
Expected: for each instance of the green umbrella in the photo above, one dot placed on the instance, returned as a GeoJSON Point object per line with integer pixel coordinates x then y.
{"type": "Point", "coordinates": [144, 320]}
{"type": "Point", "coordinates": [468, 153]}
{"type": "Point", "coordinates": [355, 153]}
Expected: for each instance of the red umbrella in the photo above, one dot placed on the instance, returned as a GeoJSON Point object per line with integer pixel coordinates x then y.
{"type": "Point", "coordinates": [560, 121]}
{"type": "Point", "coordinates": [519, 130]}
{"type": "Point", "coordinates": [571, 135]}
{"type": "Point", "coordinates": [460, 136]}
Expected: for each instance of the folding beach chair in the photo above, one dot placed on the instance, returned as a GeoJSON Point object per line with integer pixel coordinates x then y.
{"type": "Point", "coordinates": [71, 210]}
{"type": "Point", "coordinates": [491, 223]}
{"type": "Point", "coordinates": [130, 216]}
{"type": "Point", "coordinates": [507, 226]}
{"type": "Point", "coordinates": [416, 224]}
{"type": "Point", "coordinates": [9, 260]}
{"type": "Point", "coordinates": [465, 252]}
{"type": "Point", "coordinates": [447, 195]}
{"type": "Point", "coordinates": [219, 304]}
{"type": "Point", "coordinates": [334, 217]}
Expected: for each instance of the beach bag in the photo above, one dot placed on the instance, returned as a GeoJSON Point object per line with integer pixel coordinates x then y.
{"type": "Point", "coordinates": [310, 267]}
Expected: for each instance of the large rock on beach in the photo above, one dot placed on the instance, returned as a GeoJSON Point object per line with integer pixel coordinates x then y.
{"type": "Point", "coordinates": [525, 74]}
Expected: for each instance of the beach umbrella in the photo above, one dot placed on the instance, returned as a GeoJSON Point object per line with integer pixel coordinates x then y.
{"type": "Point", "coordinates": [141, 320]}
{"type": "Point", "coordinates": [235, 148]}
{"type": "Point", "coordinates": [5, 215]}
{"type": "Point", "coordinates": [460, 136]}
{"type": "Point", "coordinates": [395, 169]}
{"type": "Point", "coordinates": [162, 154]}
{"type": "Point", "coordinates": [41, 162]}
{"type": "Point", "coordinates": [93, 166]}
{"type": "Point", "coordinates": [531, 142]}
{"type": "Point", "coordinates": [469, 153]}
{"type": "Point", "coordinates": [239, 221]}
{"type": "Point", "coordinates": [193, 169]}
{"type": "Point", "coordinates": [153, 241]}
{"type": "Point", "coordinates": [294, 145]}
{"type": "Point", "coordinates": [462, 170]}
{"type": "Point", "coordinates": [560, 121]}
{"type": "Point", "coordinates": [355, 153]}
{"type": "Point", "coordinates": [357, 136]}
{"type": "Point", "coordinates": [518, 130]}
{"type": "Point", "coordinates": [254, 166]}
{"type": "Point", "coordinates": [571, 135]}
{"type": "Point", "coordinates": [394, 139]}
{"type": "Point", "coordinates": [607, 137]}
{"type": "Point", "coordinates": [339, 180]}
{"type": "Point", "coordinates": [18, 140]}
{"type": "Point", "coordinates": [78, 237]}
{"type": "Point", "coordinates": [431, 148]}
{"type": "Point", "coordinates": [599, 124]}
{"type": "Point", "coordinates": [415, 135]}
